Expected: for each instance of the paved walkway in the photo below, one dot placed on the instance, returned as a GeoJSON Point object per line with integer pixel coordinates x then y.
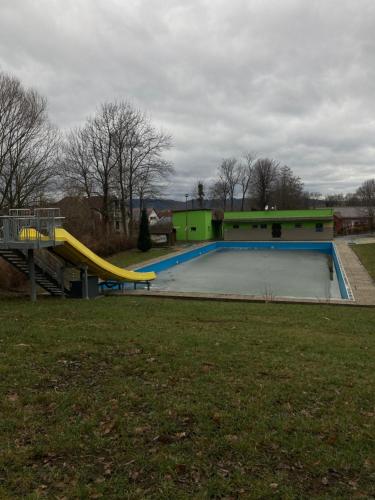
{"type": "Point", "coordinates": [361, 283]}
{"type": "Point", "coordinates": [358, 239]}
{"type": "Point", "coordinates": [364, 241]}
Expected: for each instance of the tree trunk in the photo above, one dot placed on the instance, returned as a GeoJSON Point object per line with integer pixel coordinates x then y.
{"type": "Point", "coordinates": [243, 202]}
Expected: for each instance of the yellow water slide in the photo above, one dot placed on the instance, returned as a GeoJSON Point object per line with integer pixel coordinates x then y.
{"type": "Point", "coordinates": [75, 252]}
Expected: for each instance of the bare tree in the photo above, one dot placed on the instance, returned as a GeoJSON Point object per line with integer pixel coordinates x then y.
{"type": "Point", "coordinates": [140, 158]}
{"type": "Point", "coordinates": [99, 134]}
{"type": "Point", "coordinates": [245, 172]}
{"type": "Point", "coordinates": [366, 195]}
{"type": "Point", "coordinates": [118, 154]}
{"type": "Point", "coordinates": [335, 200]}
{"type": "Point", "coordinates": [151, 181]}
{"type": "Point", "coordinates": [90, 160]}
{"type": "Point", "coordinates": [264, 176]}
{"type": "Point", "coordinates": [229, 175]}
{"type": "Point", "coordinates": [29, 145]}
{"type": "Point", "coordinates": [220, 191]}
{"type": "Point", "coordinates": [77, 165]}
{"type": "Point", "coordinates": [288, 192]}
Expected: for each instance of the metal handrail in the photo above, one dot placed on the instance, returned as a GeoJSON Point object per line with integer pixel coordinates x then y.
{"type": "Point", "coordinates": [23, 229]}
{"type": "Point", "coordinates": [49, 264]}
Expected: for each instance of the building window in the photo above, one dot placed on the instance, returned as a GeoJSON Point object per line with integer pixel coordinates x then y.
{"type": "Point", "coordinates": [319, 227]}
{"type": "Point", "coordinates": [236, 226]}
{"type": "Point", "coordinates": [263, 226]}
{"type": "Point", "coordinates": [255, 226]}
{"type": "Point", "coordinates": [117, 226]}
{"type": "Point", "coordinates": [193, 228]}
{"type": "Point", "coordinates": [298, 225]}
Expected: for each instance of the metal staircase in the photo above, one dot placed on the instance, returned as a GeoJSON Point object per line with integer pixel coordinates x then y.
{"type": "Point", "coordinates": [45, 276]}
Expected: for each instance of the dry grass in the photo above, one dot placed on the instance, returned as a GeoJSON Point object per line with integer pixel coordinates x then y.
{"type": "Point", "coordinates": [128, 397]}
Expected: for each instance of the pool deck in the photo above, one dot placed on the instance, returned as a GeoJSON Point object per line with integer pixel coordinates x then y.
{"type": "Point", "coordinates": [362, 285]}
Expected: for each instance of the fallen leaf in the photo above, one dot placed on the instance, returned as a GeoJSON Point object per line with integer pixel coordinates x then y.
{"type": "Point", "coordinates": [181, 468]}
{"type": "Point", "coordinates": [108, 428]}
{"type": "Point", "coordinates": [232, 438]}
{"type": "Point", "coordinates": [141, 430]}
{"type": "Point", "coordinates": [180, 435]}
{"type": "Point", "coordinates": [12, 397]}
{"type": "Point", "coordinates": [164, 438]}
{"type": "Point", "coordinates": [216, 417]}
{"type": "Point", "coordinates": [134, 475]}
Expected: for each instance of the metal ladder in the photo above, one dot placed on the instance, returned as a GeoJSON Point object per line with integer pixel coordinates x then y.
{"type": "Point", "coordinates": [43, 278]}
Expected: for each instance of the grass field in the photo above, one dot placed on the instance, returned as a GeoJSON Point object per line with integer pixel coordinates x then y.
{"type": "Point", "coordinates": [366, 254]}
{"type": "Point", "coordinates": [126, 397]}
{"type": "Point", "coordinates": [135, 256]}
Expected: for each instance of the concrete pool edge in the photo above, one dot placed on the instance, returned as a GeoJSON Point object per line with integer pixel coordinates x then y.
{"type": "Point", "coordinates": [328, 247]}
{"type": "Point", "coordinates": [216, 297]}
{"type": "Point", "coordinates": [342, 276]}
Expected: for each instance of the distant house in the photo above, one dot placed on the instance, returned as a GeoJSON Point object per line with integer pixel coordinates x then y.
{"type": "Point", "coordinates": [164, 213]}
{"type": "Point", "coordinates": [77, 209]}
{"type": "Point", "coordinates": [153, 217]}
{"type": "Point", "coordinates": [162, 232]}
{"type": "Point", "coordinates": [349, 220]}
{"type": "Point", "coordinates": [117, 219]}
{"type": "Point", "coordinates": [82, 215]}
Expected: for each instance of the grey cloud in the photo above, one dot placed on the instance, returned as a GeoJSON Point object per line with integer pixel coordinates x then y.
{"type": "Point", "coordinates": [292, 80]}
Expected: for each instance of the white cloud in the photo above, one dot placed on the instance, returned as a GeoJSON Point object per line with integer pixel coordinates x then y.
{"type": "Point", "coordinates": [292, 79]}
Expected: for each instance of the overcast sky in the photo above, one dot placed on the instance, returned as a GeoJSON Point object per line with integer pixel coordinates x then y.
{"type": "Point", "coordinates": [288, 79]}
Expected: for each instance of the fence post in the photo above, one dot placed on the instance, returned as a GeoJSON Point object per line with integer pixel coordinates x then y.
{"type": "Point", "coordinates": [85, 282]}
{"type": "Point", "coordinates": [62, 283]}
{"type": "Point", "coordinates": [31, 265]}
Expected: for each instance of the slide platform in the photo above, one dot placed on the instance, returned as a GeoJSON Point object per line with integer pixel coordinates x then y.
{"type": "Point", "coordinates": [77, 253]}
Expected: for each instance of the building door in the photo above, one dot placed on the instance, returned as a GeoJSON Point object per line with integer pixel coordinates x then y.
{"type": "Point", "coordinates": [276, 230]}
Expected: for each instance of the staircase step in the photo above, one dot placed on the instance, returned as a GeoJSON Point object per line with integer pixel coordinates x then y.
{"type": "Point", "coordinates": [47, 281]}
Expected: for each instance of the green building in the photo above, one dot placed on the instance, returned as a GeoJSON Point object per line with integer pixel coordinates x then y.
{"type": "Point", "coordinates": [284, 225]}
{"type": "Point", "coordinates": [287, 225]}
{"type": "Point", "coordinates": [193, 225]}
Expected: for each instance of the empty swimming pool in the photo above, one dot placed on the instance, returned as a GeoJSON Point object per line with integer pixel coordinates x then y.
{"type": "Point", "coordinates": [266, 269]}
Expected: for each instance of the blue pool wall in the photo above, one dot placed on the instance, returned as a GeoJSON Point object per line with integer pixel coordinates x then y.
{"type": "Point", "coordinates": [345, 290]}
{"type": "Point", "coordinates": [326, 247]}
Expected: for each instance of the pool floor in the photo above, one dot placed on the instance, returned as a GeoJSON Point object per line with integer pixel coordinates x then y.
{"type": "Point", "coordinates": [268, 273]}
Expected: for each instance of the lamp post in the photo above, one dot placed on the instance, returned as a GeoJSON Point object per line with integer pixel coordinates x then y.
{"type": "Point", "coordinates": [186, 217]}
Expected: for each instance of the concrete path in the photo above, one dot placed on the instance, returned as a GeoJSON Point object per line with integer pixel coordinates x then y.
{"type": "Point", "coordinates": [361, 283]}
{"type": "Point", "coordinates": [364, 241]}
{"type": "Point", "coordinates": [359, 239]}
